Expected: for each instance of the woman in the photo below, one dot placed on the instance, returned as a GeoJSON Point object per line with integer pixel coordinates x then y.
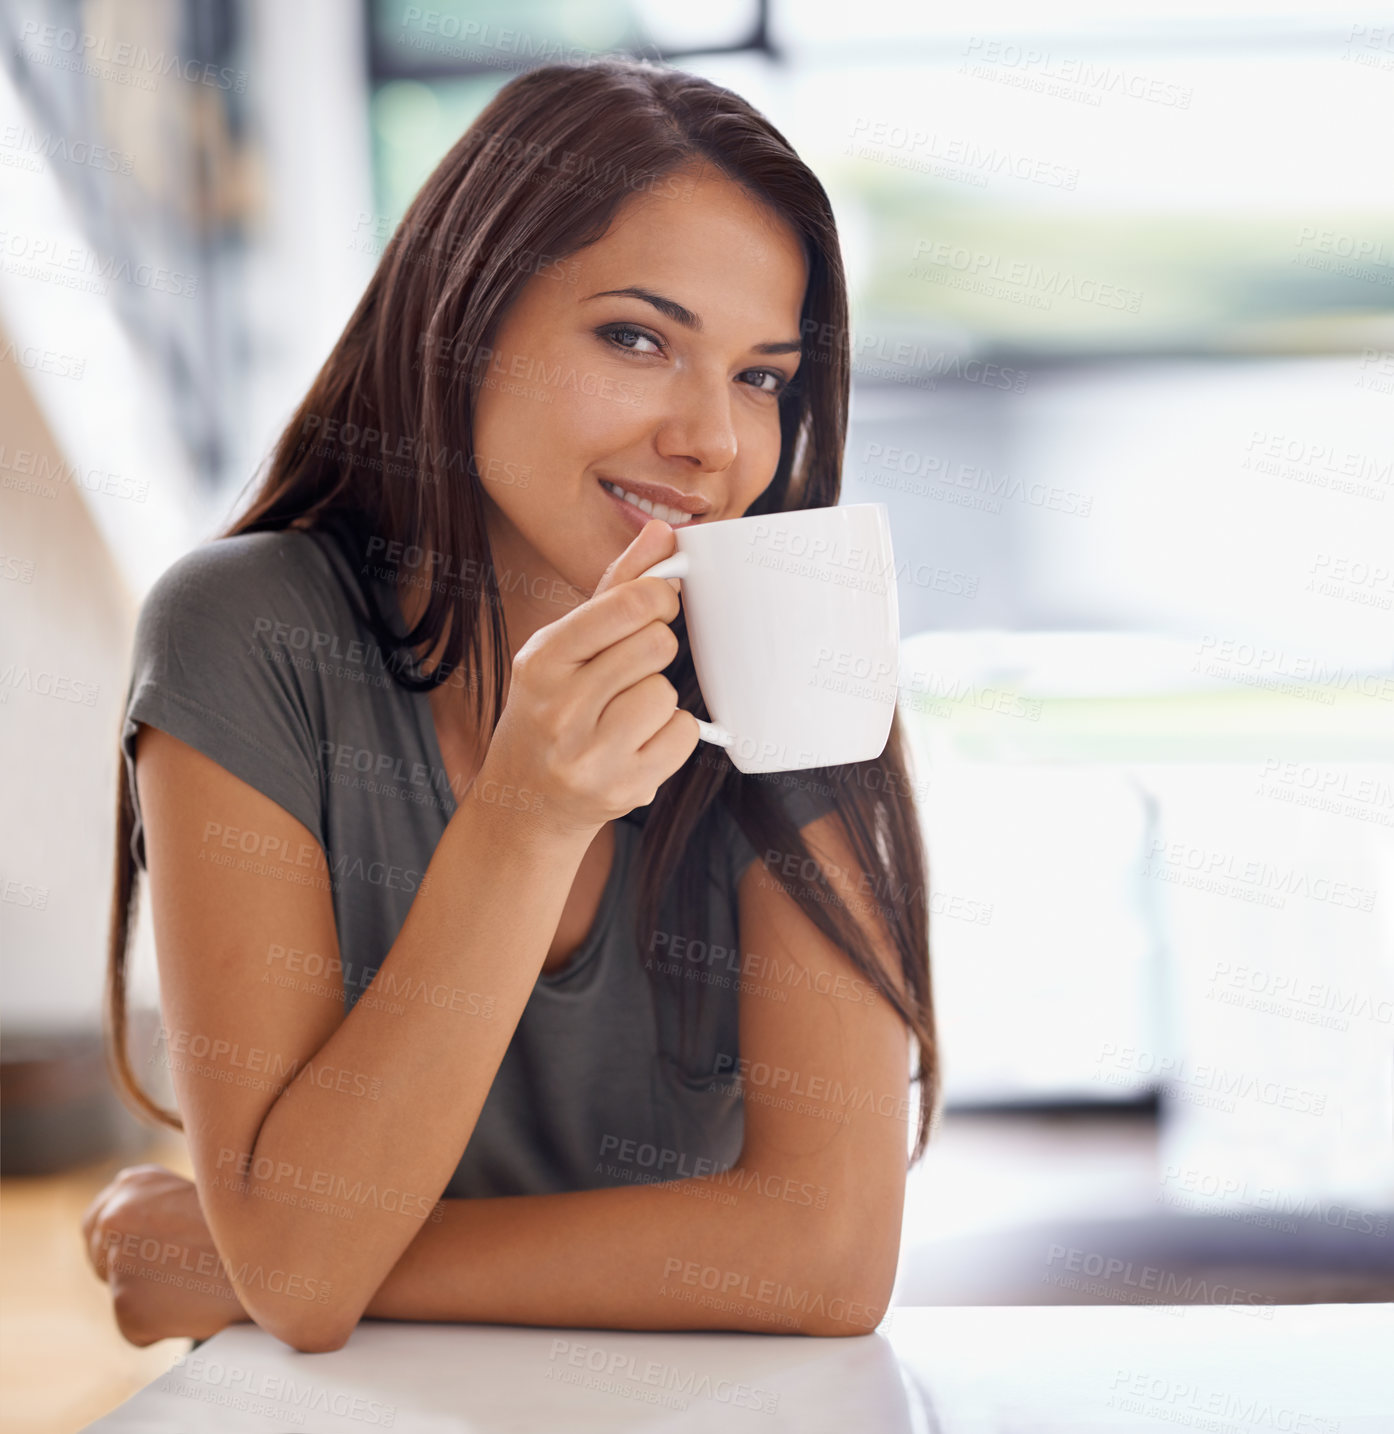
{"type": "Point", "coordinates": [446, 901]}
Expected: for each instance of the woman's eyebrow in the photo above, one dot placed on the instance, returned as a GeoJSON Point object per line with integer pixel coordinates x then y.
{"type": "Point", "coordinates": [684, 316]}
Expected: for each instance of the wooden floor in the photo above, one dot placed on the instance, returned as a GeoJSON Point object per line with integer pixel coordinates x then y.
{"type": "Point", "coordinates": [63, 1363]}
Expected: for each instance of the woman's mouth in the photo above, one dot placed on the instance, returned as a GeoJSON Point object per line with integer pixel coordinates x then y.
{"type": "Point", "coordinates": [639, 510]}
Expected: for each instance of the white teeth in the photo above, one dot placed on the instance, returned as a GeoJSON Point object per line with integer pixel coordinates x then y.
{"type": "Point", "coordinates": [674, 517]}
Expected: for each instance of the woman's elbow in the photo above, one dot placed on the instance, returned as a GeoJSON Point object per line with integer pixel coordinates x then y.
{"type": "Point", "coordinates": [312, 1312]}
{"type": "Point", "coordinates": [316, 1339]}
{"type": "Point", "coordinates": [311, 1329]}
{"type": "Point", "coordinates": [857, 1287]}
{"type": "Point", "coordinates": [320, 1341]}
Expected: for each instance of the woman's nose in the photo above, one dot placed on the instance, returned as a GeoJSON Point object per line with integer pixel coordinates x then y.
{"type": "Point", "coordinates": [698, 425]}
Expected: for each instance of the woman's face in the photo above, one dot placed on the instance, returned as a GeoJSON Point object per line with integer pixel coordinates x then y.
{"type": "Point", "coordinates": [651, 360]}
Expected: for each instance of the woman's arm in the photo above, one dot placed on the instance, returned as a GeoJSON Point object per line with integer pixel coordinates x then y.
{"type": "Point", "coordinates": [321, 1143]}
{"type": "Point", "coordinates": [810, 1242]}
{"type": "Point", "coordinates": [801, 1235]}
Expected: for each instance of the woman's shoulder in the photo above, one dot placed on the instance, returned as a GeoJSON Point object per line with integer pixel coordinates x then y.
{"type": "Point", "coordinates": [281, 571]}
{"type": "Point", "coordinates": [225, 658]}
{"type": "Point", "coordinates": [231, 599]}
{"type": "Point", "coordinates": [246, 626]}
{"type": "Point", "coordinates": [803, 797]}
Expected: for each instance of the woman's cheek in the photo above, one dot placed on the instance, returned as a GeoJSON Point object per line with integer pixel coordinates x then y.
{"type": "Point", "coordinates": [599, 399]}
{"type": "Point", "coordinates": [759, 446]}
{"type": "Point", "coordinates": [512, 430]}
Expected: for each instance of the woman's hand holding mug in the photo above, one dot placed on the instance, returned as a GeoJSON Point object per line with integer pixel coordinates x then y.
{"type": "Point", "coordinates": [591, 725]}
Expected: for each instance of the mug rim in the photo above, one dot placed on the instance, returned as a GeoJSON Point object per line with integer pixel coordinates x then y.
{"type": "Point", "coordinates": [796, 515]}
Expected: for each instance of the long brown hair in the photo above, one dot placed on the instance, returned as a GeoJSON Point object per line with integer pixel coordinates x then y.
{"type": "Point", "coordinates": [541, 173]}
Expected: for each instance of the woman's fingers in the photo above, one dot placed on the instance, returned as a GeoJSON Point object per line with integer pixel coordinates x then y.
{"type": "Point", "coordinates": [619, 605]}
{"type": "Point", "coordinates": [93, 1230]}
{"type": "Point", "coordinates": [640, 711]}
{"type": "Point", "coordinates": [629, 661]}
{"type": "Point", "coordinates": [148, 1239]}
{"type": "Point", "coordinates": [607, 619]}
{"type": "Point", "coordinates": [134, 1182]}
{"type": "Point", "coordinates": [672, 744]}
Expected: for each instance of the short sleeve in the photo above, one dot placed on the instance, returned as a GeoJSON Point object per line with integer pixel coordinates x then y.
{"type": "Point", "coordinates": [806, 796]}
{"type": "Point", "coordinates": [205, 670]}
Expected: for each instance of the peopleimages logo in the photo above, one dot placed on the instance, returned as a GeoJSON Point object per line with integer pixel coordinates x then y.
{"type": "Point", "coordinates": [27, 143]}
{"type": "Point", "coordinates": [618, 1369]}
{"type": "Point", "coordinates": [62, 48]}
{"type": "Point", "coordinates": [1203, 1084]}
{"type": "Point", "coordinates": [58, 685]}
{"type": "Point", "coordinates": [1251, 879]}
{"type": "Point", "coordinates": [1067, 77]}
{"type": "Point", "coordinates": [284, 1390]}
{"type": "Point", "coordinates": [1168, 1285]}
{"type": "Point", "coordinates": [950, 157]}
{"type": "Point", "coordinates": [1018, 280]}
{"type": "Point", "coordinates": [77, 266]}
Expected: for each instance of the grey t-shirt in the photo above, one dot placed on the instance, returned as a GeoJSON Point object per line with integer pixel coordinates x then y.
{"type": "Point", "coordinates": [249, 649]}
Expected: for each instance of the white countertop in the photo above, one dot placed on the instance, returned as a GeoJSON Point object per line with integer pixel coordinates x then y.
{"type": "Point", "coordinates": [1293, 1369]}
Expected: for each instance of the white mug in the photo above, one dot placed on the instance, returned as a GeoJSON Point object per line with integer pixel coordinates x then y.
{"type": "Point", "coordinates": [794, 627]}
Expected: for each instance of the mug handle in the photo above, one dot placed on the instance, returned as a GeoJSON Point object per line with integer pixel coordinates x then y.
{"type": "Point", "coordinates": [678, 566]}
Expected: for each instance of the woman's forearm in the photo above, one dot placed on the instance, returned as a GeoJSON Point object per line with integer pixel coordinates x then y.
{"type": "Point", "coordinates": [711, 1253]}
{"type": "Point", "coordinates": [340, 1182]}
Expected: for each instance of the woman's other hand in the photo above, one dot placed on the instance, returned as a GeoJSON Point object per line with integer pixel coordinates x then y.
{"type": "Point", "coordinates": [147, 1238]}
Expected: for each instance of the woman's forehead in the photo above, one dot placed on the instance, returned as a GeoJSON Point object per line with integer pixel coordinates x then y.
{"type": "Point", "coordinates": [720, 251]}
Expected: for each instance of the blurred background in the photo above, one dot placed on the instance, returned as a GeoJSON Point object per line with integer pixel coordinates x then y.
{"type": "Point", "coordinates": [1122, 282]}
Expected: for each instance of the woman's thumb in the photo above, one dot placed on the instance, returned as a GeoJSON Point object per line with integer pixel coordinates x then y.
{"type": "Point", "coordinates": [652, 543]}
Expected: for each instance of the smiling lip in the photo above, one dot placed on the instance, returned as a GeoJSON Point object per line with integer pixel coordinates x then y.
{"type": "Point", "coordinates": [659, 493]}
{"type": "Point", "coordinates": [633, 518]}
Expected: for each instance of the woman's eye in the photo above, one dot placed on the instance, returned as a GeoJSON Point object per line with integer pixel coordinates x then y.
{"type": "Point", "coordinates": [623, 334]}
{"type": "Point", "coordinates": [768, 380]}
{"type": "Point", "coordinates": [631, 340]}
